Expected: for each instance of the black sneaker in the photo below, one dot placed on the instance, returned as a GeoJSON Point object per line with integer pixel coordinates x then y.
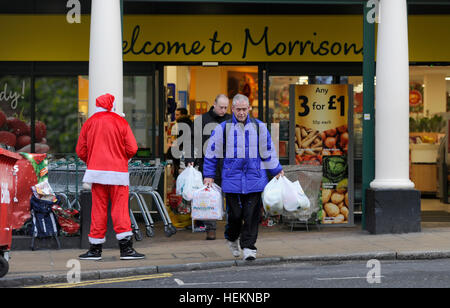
{"type": "Point", "coordinates": [94, 253]}
{"type": "Point", "coordinates": [126, 250]}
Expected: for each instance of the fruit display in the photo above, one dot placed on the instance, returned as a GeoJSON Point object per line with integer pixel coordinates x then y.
{"type": "Point", "coordinates": [16, 133]}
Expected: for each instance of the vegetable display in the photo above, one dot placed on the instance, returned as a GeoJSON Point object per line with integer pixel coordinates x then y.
{"type": "Point", "coordinates": [335, 204]}
{"type": "Point", "coordinates": [308, 145]}
{"type": "Point", "coordinates": [335, 141]}
{"type": "Point", "coordinates": [334, 169]}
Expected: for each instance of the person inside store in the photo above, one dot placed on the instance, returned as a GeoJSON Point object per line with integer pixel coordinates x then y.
{"type": "Point", "coordinates": [244, 173]}
{"type": "Point", "coordinates": [106, 143]}
{"type": "Point", "coordinates": [181, 116]}
{"type": "Point", "coordinates": [216, 115]}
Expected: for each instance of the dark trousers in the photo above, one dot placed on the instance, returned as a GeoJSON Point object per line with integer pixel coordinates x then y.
{"type": "Point", "coordinates": [243, 217]}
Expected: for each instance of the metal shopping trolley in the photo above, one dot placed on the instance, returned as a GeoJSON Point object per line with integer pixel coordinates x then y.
{"type": "Point", "coordinates": [144, 180]}
{"type": "Point", "coordinates": [65, 176]}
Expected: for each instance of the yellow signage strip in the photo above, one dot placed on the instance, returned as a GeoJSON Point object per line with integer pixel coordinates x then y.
{"type": "Point", "coordinates": [242, 38]}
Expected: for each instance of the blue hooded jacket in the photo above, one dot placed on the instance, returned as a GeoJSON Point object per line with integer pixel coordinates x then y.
{"type": "Point", "coordinates": [244, 166]}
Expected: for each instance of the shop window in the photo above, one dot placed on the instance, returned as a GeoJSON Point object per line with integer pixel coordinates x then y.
{"type": "Point", "coordinates": [15, 110]}
{"type": "Point", "coordinates": [279, 107]}
{"type": "Point", "coordinates": [56, 114]}
{"type": "Point", "coordinates": [139, 110]}
{"type": "Point", "coordinates": [56, 127]}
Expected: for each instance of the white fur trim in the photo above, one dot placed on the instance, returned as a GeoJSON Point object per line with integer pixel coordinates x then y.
{"type": "Point", "coordinates": [123, 235]}
{"type": "Point", "coordinates": [100, 109]}
{"type": "Point", "coordinates": [106, 177]}
{"type": "Point", "coordinates": [96, 241]}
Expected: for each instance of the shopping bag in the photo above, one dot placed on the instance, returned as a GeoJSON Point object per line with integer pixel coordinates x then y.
{"type": "Point", "coordinates": [293, 196]}
{"type": "Point", "coordinates": [189, 181]}
{"type": "Point", "coordinates": [207, 203]}
{"type": "Point", "coordinates": [181, 181]}
{"type": "Point", "coordinates": [68, 220]}
{"type": "Point", "coordinates": [304, 202]}
{"type": "Point", "coordinates": [193, 181]}
{"type": "Point", "coordinates": [272, 197]}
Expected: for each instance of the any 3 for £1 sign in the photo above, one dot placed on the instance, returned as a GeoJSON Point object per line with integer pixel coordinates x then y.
{"type": "Point", "coordinates": [321, 118]}
{"type": "Point", "coordinates": [321, 107]}
{"type": "Point", "coordinates": [322, 138]}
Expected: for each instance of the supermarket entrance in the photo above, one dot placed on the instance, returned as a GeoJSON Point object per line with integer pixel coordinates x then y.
{"type": "Point", "coordinates": [193, 88]}
{"type": "Point", "coordinates": [188, 92]}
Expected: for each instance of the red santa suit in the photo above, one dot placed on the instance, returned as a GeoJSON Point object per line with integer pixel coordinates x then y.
{"type": "Point", "coordinates": [106, 143]}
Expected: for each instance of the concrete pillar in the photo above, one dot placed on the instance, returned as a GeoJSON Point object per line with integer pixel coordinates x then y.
{"type": "Point", "coordinates": [105, 53]}
{"type": "Point", "coordinates": [392, 98]}
{"type": "Point", "coordinates": [393, 205]}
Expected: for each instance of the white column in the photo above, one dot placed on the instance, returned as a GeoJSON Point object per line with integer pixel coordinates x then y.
{"type": "Point", "coordinates": [392, 99]}
{"type": "Point", "coordinates": [105, 53]}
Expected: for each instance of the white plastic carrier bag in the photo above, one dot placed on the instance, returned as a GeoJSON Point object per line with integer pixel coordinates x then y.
{"type": "Point", "coordinates": [188, 182]}
{"type": "Point", "coordinates": [272, 197]}
{"type": "Point", "coordinates": [207, 203]}
{"type": "Point", "coordinates": [294, 197]}
{"type": "Point", "coordinates": [304, 202]}
{"type": "Point", "coordinates": [180, 182]}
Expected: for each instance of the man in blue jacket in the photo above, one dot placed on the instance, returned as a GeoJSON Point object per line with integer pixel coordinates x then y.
{"type": "Point", "coordinates": [246, 148]}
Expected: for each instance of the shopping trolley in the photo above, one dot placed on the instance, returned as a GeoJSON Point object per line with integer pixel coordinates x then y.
{"type": "Point", "coordinates": [65, 176]}
{"type": "Point", "coordinates": [144, 180]}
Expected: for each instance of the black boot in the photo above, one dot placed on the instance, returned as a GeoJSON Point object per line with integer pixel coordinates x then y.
{"type": "Point", "coordinates": [126, 250]}
{"type": "Point", "coordinates": [94, 253]}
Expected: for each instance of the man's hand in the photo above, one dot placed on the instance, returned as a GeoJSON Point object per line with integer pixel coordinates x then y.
{"type": "Point", "coordinates": [280, 174]}
{"type": "Point", "coordinates": [208, 181]}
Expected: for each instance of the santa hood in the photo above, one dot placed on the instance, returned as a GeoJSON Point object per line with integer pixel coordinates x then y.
{"type": "Point", "coordinates": [105, 103]}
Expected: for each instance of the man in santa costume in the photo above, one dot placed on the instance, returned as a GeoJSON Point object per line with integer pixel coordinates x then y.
{"type": "Point", "coordinates": [106, 144]}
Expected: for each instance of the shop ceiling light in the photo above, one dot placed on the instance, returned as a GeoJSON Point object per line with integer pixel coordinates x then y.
{"type": "Point", "coordinates": [447, 78]}
{"type": "Point", "coordinates": [210, 63]}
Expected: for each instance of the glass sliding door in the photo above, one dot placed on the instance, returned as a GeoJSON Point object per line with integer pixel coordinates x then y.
{"type": "Point", "coordinates": [139, 109]}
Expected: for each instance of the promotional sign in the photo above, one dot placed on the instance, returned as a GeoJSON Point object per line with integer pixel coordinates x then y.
{"type": "Point", "coordinates": [321, 136]}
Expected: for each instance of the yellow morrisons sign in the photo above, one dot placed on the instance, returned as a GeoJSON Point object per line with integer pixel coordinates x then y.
{"type": "Point", "coordinates": [240, 38]}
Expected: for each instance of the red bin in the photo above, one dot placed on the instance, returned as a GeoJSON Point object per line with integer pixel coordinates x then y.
{"type": "Point", "coordinates": [7, 191]}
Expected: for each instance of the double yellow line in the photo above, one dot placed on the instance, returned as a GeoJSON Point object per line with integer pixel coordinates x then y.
{"type": "Point", "coordinates": [103, 281]}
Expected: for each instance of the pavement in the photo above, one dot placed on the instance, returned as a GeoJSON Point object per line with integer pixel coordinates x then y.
{"type": "Point", "coordinates": [187, 251]}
